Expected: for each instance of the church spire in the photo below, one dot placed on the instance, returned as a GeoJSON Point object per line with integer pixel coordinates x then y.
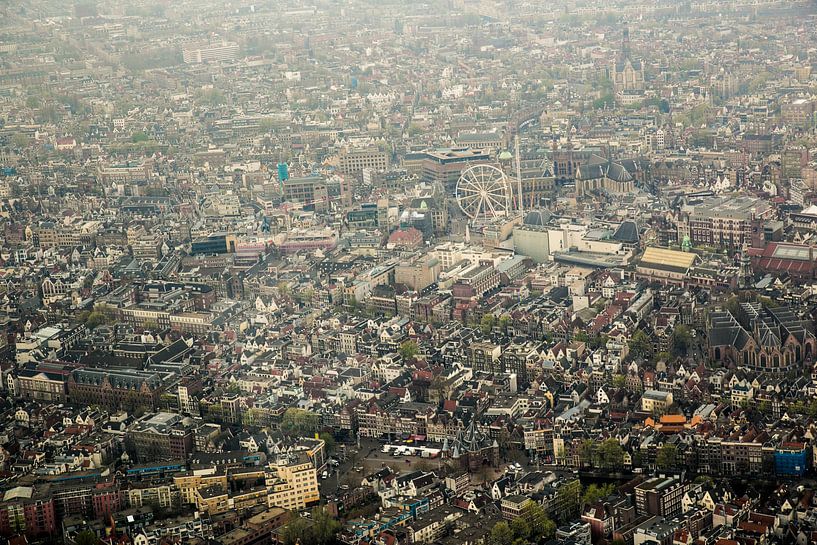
{"type": "Point", "coordinates": [625, 43]}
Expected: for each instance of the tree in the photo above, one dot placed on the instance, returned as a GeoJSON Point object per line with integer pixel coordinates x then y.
{"type": "Point", "coordinates": [320, 530]}
{"type": "Point", "coordinates": [300, 421]}
{"type": "Point", "coordinates": [86, 537]}
{"type": "Point", "coordinates": [326, 527]}
{"type": "Point", "coordinates": [139, 136]}
{"type": "Point", "coordinates": [504, 323]}
{"type": "Point", "coordinates": [501, 534]}
{"type": "Point", "coordinates": [211, 97]}
{"type": "Point", "coordinates": [151, 325]}
{"type": "Point", "coordinates": [619, 381]}
{"type": "Point", "coordinates": [667, 457]}
{"type": "Point", "coordinates": [598, 341]}
{"type": "Point", "coordinates": [101, 315]}
{"type": "Point", "coordinates": [520, 528]}
{"type": "Point", "coordinates": [234, 388]}
{"type": "Point", "coordinates": [606, 101]}
{"type": "Point", "coordinates": [540, 524]}
{"type": "Point", "coordinates": [663, 356]}
{"type": "Point", "coordinates": [733, 305]}
{"type": "Point", "coordinates": [681, 339]}
{"type": "Point", "coordinates": [610, 453]}
{"type": "Point", "coordinates": [594, 493]}
{"type": "Point", "coordinates": [439, 386]}
{"type": "Point", "coordinates": [329, 442]}
{"type": "Point", "coordinates": [409, 349]}
{"type": "Point", "coordinates": [19, 140]}
{"type": "Point", "coordinates": [486, 324]}
{"type": "Point", "coordinates": [587, 452]}
{"type": "Point", "coordinates": [640, 345]}
{"type": "Point", "coordinates": [568, 500]}
{"type": "Point", "coordinates": [812, 408]}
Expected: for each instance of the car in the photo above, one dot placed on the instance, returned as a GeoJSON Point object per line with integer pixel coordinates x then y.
{"type": "Point", "coordinates": [344, 487]}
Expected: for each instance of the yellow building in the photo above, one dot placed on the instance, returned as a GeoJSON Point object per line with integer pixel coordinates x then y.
{"type": "Point", "coordinates": [212, 500]}
{"type": "Point", "coordinates": [292, 482]}
{"type": "Point", "coordinates": [189, 483]}
{"type": "Point", "coordinates": [656, 402]}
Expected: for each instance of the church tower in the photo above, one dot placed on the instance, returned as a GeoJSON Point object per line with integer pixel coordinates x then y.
{"type": "Point", "coordinates": [627, 73]}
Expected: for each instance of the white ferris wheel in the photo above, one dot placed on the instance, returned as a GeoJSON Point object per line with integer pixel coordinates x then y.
{"type": "Point", "coordinates": [484, 191]}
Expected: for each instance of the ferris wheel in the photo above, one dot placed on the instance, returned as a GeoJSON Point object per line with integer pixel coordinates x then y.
{"type": "Point", "coordinates": [484, 191]}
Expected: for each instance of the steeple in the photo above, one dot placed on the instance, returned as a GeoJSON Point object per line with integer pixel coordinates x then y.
{"type": "Point", "coordinates": [625, 43]}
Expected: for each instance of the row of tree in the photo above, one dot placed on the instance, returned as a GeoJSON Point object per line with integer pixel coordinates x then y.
{"type": "Point", "coordinates": [320, 529]}
{"type": "Point", "coordinates": [531, 526]}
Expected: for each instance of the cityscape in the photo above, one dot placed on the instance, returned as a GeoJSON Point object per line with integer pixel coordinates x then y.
{"type": "Point", "coordinates": [424, 272]}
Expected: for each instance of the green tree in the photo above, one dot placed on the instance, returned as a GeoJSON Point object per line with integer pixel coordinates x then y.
{"type": "Point", "coordinates": [86, 537]}
{"type": "Point", "coordinates": [520, 528]}
{"type": "Point", "coordinates": [151, 325]}
{"type": "Point", "coordinates": [501, 534]}
{"type": "Point", "coordinates": [326, 527]}
{"type": "Point", "coordinates": [504, 323]}
{"type": "Point", "coordinates": [568, 498]}
{"type": "Point", "coordinates": [667, 457]}
{"type": "Point", "coordinates": [439, 386]}
{"type": "Point", "coordinates": [486, 324]}
{"type": "Point", "coordinates": [321, 529]}
{"type": "Point", "coordinates": [606, 101]}
{"type": "Point", "coordinates": [540, 524]}
{"type": "Point", "coordinates": [610, 454]}
{"type": "Point", "coordinates": [587, 452]}
{"type": "Point", "coordinates": [329, 442]}
{"type": "Point", "coordinates": [20, 140]}
{"type": "Point", "coordinates": [619, 381]}
{"type": "Point", "coordinates": [101, 315]}
{"type": "Point", "coordinates": [594, 493]}
{"type": "Point", "coordinates": [663, 356]}
{"type": "Point", "coordinates": [300, 421]}
{"type": "Point", "coordinates": [234, 388]}
{"type": "Point", "coordinates": [640, 345]}
{"type": "Point", "coordinates": [211, 97]}
{"type": "Point", "coordinates": [681, 339]}
{"type": "Point", "coordinates": [139, 136]}
{"type": "Point", "coordinates": [732, 304]}
{"type": "Point", "coordinates": [409, 349]}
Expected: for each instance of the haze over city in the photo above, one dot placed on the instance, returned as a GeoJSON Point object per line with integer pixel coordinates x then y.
{"type": "Point", "coordinates": [369, 272]}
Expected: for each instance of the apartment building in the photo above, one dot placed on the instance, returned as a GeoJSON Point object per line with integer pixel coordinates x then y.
{"type": "Point", "coordinates": [160, 436]}
{"type": "Point", "coordinates": [660, 496]}
{"type": "Point", "coordinates": [225, 51]}
{"type": "Point", "coordinates": [293, 483]}
{"type": "Point", "coordinates": [354, 161]}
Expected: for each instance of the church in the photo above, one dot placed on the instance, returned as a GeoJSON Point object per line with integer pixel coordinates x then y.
{"type": "Point", "coordinates": [600, 174]}
{"type": "Point", "coordinates": [627, 74]}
